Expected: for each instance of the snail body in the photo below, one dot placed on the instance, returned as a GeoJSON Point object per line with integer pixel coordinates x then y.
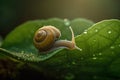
{"type": "Point", "coordinates": [46, 39]}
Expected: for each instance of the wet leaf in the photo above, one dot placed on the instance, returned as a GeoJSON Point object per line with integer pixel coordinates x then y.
{"type": "Point", "coordinates": [19, 43]}
{"type": "Point", "coordinates": [98, 60]}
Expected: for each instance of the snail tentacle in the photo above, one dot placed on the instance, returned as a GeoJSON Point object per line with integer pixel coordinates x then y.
{"type": "Point", "coordinates": [67, 44]}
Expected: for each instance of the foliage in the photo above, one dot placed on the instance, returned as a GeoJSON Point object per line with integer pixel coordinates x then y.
{"type": "Point", "coordinates": [98, 60]}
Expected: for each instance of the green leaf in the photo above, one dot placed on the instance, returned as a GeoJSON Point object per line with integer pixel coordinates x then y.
{"type": "Point", "coordinates": [101, 48]}
{"type": "Point", "coordinates": [98, 60]}
{"type": "Point", "coordinates": [19, 43]}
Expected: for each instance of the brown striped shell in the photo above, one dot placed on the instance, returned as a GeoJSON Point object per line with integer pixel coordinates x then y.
{"type": "Point", "coordinates": [45, 37]}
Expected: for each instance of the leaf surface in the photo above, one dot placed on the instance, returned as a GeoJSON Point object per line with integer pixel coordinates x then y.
{"type": "Point", "coordinates": [19, 43]}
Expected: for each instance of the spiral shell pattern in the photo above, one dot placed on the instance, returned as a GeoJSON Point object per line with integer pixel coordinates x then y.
{"type": "Point", "coordinates": [45, 38]}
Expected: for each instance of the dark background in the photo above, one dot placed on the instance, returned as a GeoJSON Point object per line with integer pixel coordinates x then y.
{"type": "Point", "coordinates": [15, 12]}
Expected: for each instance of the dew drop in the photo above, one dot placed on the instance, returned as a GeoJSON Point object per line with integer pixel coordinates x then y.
{"type": "Point", "coordinates": [94, 58]}
{"type": "Point", "coordinates": [112, 47]}
{"type": "Point", "coordinates": [99, 53]}
{"type": "Point", "coordinates": [96, 30]}
{"type": "Point", "coordinates": [67, 23]}
{"type": "Point", "coordinates": [85, 32]}
{"type": "Point", "coordinates": [109, 32]}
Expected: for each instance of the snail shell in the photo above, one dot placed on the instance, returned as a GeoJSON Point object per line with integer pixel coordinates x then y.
{"type": "Point", "coordinates": [46, 39]}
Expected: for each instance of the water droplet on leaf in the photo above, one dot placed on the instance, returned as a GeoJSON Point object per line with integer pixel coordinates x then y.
{"type": "Point", "coordinates": [66, 21]}
{"type": "Point", "coordinates": [100, 53]}
{"type": "Point", "coordinates": [85, 32]}
{"type": "Point", "coordinates": [94, 58]}
{"type": "Point", "coordinates": [96, 30]}
{"type": "Point", "coordinates": [112, 47]}
{"type": "Point", "coordinates": [109, 32]}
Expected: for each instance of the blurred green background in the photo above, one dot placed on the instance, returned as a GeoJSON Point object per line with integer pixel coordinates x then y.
{"type": "Point", "coordinates": [15, 12]}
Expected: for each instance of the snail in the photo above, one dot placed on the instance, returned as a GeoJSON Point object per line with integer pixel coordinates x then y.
{"type": "Point", "coordinates": [46, 39]}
